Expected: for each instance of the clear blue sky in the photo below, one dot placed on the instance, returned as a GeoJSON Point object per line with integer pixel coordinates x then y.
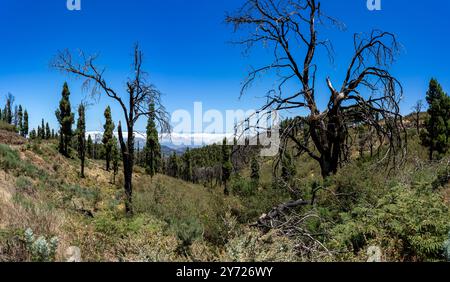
{"type": "Point", "coordinates": [187, 54]}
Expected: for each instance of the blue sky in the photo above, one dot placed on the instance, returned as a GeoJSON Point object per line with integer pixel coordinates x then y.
{"type": "Point", "coordinates": [187, 51]}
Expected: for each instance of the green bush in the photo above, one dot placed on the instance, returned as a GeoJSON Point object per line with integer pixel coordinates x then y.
{"type": "Point", "coordinates": [243, 187]}
{"type": "Point", "coordinates": [187, 231]}
{"type": "Point", "coordinates": [6, 126]}
{"type": "Point", "coordinates": [10, 161]}
{"type": "Point", "coordinates": [442, 178]}
{"type": "Point", "coordinates": [40, 249]}
{"type": "Point", "coordinates": [252, 246]}
{"type": "Point", "coordinates": [409, 225]}
{"type": "Point", "coordinates": [447, 248]}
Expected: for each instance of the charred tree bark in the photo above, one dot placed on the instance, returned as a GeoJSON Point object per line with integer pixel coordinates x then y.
{"type": "Point", "coordinates": [127, 169]}
{"type": "Point", "coordinates": [290, 30]}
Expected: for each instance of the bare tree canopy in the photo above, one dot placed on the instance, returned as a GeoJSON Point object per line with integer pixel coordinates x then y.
{"type": "Point", "coordinates": [140, 95]}
{"type": "Point", "coordinates": [368, 95]}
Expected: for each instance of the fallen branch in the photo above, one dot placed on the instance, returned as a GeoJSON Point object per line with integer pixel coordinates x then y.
{"type": "Point", "coordinates": [271, 219]}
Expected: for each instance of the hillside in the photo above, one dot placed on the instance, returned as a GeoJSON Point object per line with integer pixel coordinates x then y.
{"type": "Point", "coordinates": [174, 221]}
{"type": "Point", "coordinates": [404, 212]}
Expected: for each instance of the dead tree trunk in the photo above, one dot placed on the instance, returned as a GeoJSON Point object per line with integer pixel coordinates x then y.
{"type": "Point", "coordinates": [127, 167]}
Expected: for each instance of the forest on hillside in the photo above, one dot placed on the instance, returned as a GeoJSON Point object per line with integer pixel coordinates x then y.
{"type": "Point", "coordinates": [355, 180]}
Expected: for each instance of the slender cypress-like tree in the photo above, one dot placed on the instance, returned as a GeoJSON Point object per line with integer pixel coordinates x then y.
{"type": "Point", "coordinates": [187, 166]}
{"type": "Point", "coordinates": [25, 124]}
{"type": "Point", "coordinates": [254, 166]}
{"type": "Point", "coordinates": [66, 119]}
{"type": "Point", "coordinates": [81, 137]}
{"type": "Point", "coordinates": [437, 125]}
{"type": "Point", "coordinates": [89, 147]}
{"type": "Point", "coordinates": [42, 133]}
{"type": "Point", "coordinates": [20, 120]}
{"type": "Point", "coordinates": [115, 158]}
{"type": "Point", "coordinates": [108, 136]}
{"type": "Point", "coordinates": [173, 165]}
{"type": "Point", "coordinates": [152, 146]}
{"type": "Point", "coordinates": [7, 112]}
{"type": "Point", "coordinates": [227, 166]}
{"type": "Point", "coordinates": [48, 133]}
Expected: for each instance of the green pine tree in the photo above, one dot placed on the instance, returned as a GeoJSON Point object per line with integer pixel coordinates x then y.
{"type": "Point", "coordinates": [42, 135]}
{"type": "Point", "coordinates": [115, 158]}
{"type": "Point", "coordinates": [89, 147]}
{"type": "Point", "coordinates": [173, 165]}
{"type": "Point", "coordinates": [7, 112]}
{"type": "Point", "coordinates": [25, 124]}
{"type": "Point", "coordinates": [66, 119]}
{"type": "Point", "coordinates": [227, 166]}
{"type": "Point", "coordinates": [20, 120]}
{"type": "Point", "coordinates": [152, 146]}
{"type": "Point", "coordinates": [187, 166]}
{"type": "Point", "coordinates": [108, 135]}
{"type": "Point", "coordinates": [437, 129]}
{"type": "Point", "coordinates": [48, 133]}
{"type": "Point", "coordinates": [81, 137]}
{"type": "Point", "coordinates": [255, 174]}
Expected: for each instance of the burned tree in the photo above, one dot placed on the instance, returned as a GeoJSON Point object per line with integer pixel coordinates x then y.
{"type": "Point", "coordinates": [139, 95]}
{"type": "Point", "coordinates": [290, 28]}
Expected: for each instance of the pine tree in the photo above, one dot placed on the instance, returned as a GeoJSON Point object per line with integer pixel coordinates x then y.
{"type": "Point", "coordinates": [90, 146]}
{"type": "Point", "coordinates": [255, 170]}
{"type": "Point", "coordinates": [173, 165]}
{"type": "Point", "coordinates": [48, 133]}
{"type": "Point", "coordinates": [81, 137]}
{"type": "Point", "coordinates": [227, 167]}
{"type": "Point", "coordinates": [39, 132]}
{"type": "Point", "coordinates": [25, 124]}
{"type": "Point", "coordinates": [53, 134]}
{"type": "Point", "coordinates": [108, 136]}
{"type": "Point", "coordinates": [15, 119]}
{"type": "Point", "coordinates": [152, 146]}
{"type": "Point", "coordinates": [42, 134]}
{"type": "Point", "coordinates": [66, 119]}
{"type": "Point", "coordinates": [437, 129]}
{"type": "Point", "coordinates": [187, 166]}
{"type": "Point", "coordinates": [115, 158]}
{"type": "Point", "coordinates": [20, 120]}
{"type": "Point", "coordinates": [7, 112]}
{"type": "Point", "coordinates": [33, 134]}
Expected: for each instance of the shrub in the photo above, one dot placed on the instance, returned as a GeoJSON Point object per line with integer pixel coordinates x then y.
{"type": "Point", "coordinates": [242, 187]}
{"type": "Point", "coordinates": [6, 126]}
{"type": "Point", "coordinates": [442, 178]}
{"type": "Point", "coordinates": [447, 248]}
{"type": "Point", "coordinates": [408, 225]}
{"type": "Point", "coordinates": [10, 161]}
{"type": "Point", "coordinates": [252, 246]}
{"type": "Point", "coordinates": [187, 231]}
{"type": "Point", "coordinates": [40, 249]}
